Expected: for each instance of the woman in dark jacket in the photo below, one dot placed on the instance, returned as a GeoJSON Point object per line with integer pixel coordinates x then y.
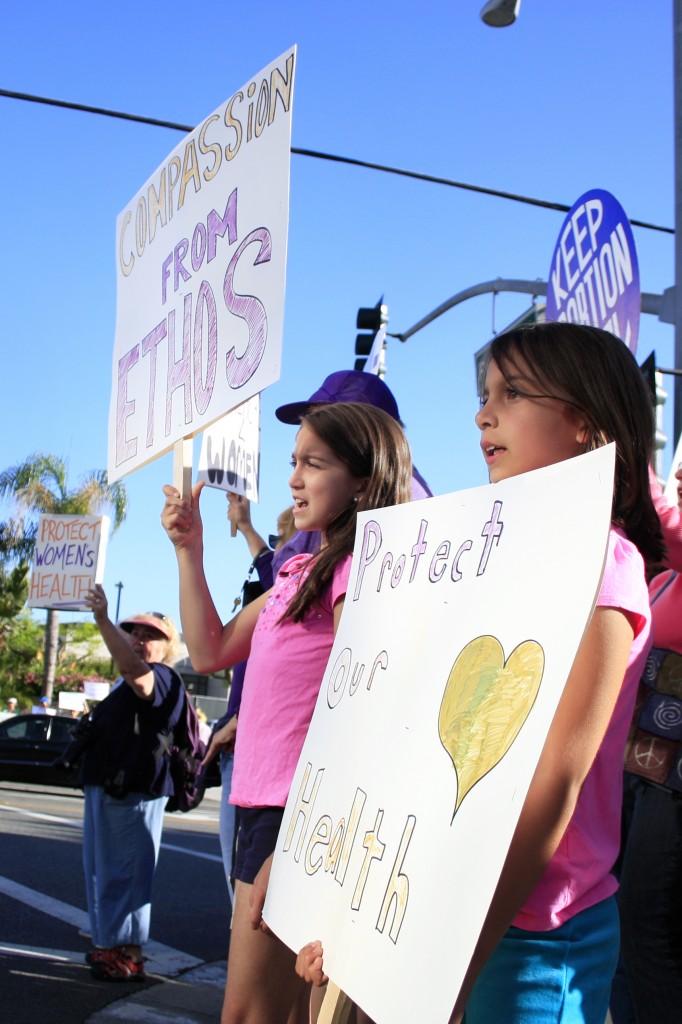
{"type": "Point", "coordinates": [127, 782]}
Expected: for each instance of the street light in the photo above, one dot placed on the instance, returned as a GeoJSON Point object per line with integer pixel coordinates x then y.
{"type": "Point", "coordinates": [500, 13]}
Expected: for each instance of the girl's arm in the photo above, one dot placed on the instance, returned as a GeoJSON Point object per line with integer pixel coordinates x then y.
{"type": "Point", "coordinates": [211, 645]}
{"type": "Point", "coordinates": [671, 523]}
{"type": "Point", "coordinates": [574, 738]}
{"type": "Point", "coordinates": [239, 515]}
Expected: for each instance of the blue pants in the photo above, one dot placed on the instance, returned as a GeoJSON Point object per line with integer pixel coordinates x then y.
{"type": "Point", "coordinates": [228, 818]}
{"type": "Point", "coordinates": [121, 840]}
{"type": "Point", "coordinates": [558, 977]}
{"type": "Point", "coordinates": [648, 984]}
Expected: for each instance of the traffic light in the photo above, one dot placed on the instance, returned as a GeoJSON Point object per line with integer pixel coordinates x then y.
{"type": "Point", "coordinates": [654, 379]}
{"type": "Point", "coordinates": [369, 320]}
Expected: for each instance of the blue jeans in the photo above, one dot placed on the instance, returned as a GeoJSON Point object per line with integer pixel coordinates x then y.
{"type": "Point", "coordinates": [228, 819]}
{"type": "Point", "coordinates": [561, 976]}
{"type": "Point", "coordinates": [121, 840]}
{"type": "Point", "coordinates": [648, 985]}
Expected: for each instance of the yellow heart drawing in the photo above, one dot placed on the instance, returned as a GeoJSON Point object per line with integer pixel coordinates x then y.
{"type": "Point", "coordinates": [485, 703]}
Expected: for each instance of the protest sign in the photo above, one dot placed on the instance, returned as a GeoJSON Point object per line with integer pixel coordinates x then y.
{"type": "Point", "coordinates": [96, 689]}
{"type": "Point", "coordinates": [68, 701]}
{"type": "Point", "coordinates": [67, 561]}
{"type": "Point", "coordinates": [461, 621]}
{"type": "Point", "coordinates": [201, 262]}
{"type": "Point", "coordinates": [594, 276]}
{"type": "Point", "coordinates": [230, 451]}
{"type": "Point", "coordinates": [374, 360]}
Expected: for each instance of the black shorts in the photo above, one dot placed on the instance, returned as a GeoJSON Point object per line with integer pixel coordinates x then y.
{"type": "Point", "coordinates": [256, 840]}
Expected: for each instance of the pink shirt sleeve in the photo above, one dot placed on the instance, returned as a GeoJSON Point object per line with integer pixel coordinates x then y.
{"type": "Point", "coordinates": [671, 523]}
{"type": "Point", "coordinates": [339, 583]}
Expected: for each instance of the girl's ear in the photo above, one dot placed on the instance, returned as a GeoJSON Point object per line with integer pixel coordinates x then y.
{"type": "Point", "coordinates": [362, 487]}
{"type": "Point", "coordinates": [583, 433]}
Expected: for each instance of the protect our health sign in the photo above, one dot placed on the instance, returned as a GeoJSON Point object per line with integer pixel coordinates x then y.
{"type": "Point", "coordinates": [462, 618]}
{"type": "Point", "coordinates": [68, 560]}
{"type": "Point", "coordinates": [230, 451]}
{"type": "Point", "coordinates": [594, 276]}
{"type": "Point", "coordinates": [201, 263]}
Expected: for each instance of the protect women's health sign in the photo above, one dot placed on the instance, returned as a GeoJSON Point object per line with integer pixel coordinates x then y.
{"type": "Point", "coordinates": [461, 621]}
{"type": "Point", "coordinates": [201, 264]}
{"type": "Point", "coordinates": [68, 559]}
{"type": "Point", "coordinates": [594, 276]}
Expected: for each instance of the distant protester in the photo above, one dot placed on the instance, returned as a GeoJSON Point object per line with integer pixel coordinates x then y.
{"type": "Point", "coordinates": [127, 782]}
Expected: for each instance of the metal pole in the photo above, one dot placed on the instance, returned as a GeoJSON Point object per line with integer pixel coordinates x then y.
{"type": "Point", "coordinates": [119, 587]}
{"type": "Point", "coordinates": [677, 100]}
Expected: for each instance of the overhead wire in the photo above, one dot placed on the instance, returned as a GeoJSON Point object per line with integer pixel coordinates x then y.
{"type": "Point", "coordinates": [316, 154]}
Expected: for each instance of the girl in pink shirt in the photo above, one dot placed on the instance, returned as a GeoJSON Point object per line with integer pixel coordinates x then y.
{"type": "Point", "coordinates": [348, 457]}
{"type": "Point", "coordinates": [549, 945]}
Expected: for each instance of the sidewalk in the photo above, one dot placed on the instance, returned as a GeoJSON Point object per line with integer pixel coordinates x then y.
{"type": "Point", "coordinates": [195, 997]}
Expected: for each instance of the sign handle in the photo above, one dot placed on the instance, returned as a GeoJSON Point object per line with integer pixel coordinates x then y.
{"type": "Point", "coordinates": [182, 466]}
{"type": "Point", "coordinates": [336, 1006]}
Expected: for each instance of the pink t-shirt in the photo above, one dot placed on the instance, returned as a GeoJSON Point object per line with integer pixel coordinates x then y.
{"type": "Point", "coordinates": [283, 676]}
{"type": "Point", "coordinates": [578, 876]}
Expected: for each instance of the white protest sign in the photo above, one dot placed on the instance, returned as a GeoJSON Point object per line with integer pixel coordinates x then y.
{"type": "Point", "coordinates": [373, 364]}
{"type": "Point", "coordinates": [68, 701]}
{"type": "Point", "coordinates": [463, 609]}
{"type": "Point", "coordinates": [201, 263]}
{"type": "Point", "coordinates": [96, 689]}
{"type": "Point", "coordinates": [68, 560]}
{"type": "Point", "coordinates": [230, 451]}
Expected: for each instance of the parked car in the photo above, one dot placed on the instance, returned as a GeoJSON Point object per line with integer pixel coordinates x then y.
{"type": "Point", "coordinates": [29, 745]}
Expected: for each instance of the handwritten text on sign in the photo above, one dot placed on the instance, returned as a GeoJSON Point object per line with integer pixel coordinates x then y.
{"type": "Point", "coordinates": [201, 274]}
{"type": "Point", "coordinates": [230, 451]}
{"type": "Point", "coordinates": [68, 559]}
{"type": "Point", "coordinates": [460, 624]}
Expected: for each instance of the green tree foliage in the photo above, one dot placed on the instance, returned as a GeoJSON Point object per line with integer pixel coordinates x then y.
{"type": "Point", "coordinates": [21, 659]}
{"type": "Point", "coordinates": [37, 485]}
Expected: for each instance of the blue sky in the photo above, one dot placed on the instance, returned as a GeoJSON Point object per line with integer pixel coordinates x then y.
{"type": "Point", "coordinates": [574, 96]}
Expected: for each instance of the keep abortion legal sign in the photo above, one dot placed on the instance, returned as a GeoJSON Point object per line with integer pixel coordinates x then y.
{"type": "Point", "coordinates": [461, 621]}
{"type": "Point", "coordinates": [594, 276]}
{"type": "Point", "coordinates": [201, 263]}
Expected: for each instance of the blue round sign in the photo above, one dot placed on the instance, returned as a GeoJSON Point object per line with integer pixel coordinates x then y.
{"type": "Point", "coordinates": [594, 277]}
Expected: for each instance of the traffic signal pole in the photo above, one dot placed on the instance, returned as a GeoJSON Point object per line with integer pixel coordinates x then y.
{"type": "Point", "coordinates": [658, 305]}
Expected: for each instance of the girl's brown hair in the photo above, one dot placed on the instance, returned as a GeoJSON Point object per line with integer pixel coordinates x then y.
{"type": "Point", "coordinates": [596, 374]}
{"type": "Point", "coordinates": [372, 445]}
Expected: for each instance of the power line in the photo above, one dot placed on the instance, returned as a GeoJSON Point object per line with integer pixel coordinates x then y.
{"type": "Point", "coordinates": [417, 175]}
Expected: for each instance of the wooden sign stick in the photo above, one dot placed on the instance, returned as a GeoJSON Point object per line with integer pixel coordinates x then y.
{"type": "Point", "coordinates": [336, 1006]}
{"type": "Point", "coordinates": [182, 466]}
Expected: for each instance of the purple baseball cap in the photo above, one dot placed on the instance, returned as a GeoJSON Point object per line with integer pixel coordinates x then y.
{"type": "Point", "coordinates": [344, 386]}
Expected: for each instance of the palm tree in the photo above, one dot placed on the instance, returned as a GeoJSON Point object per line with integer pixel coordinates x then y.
{"type": "Point", "coordinates": [39, 484]}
